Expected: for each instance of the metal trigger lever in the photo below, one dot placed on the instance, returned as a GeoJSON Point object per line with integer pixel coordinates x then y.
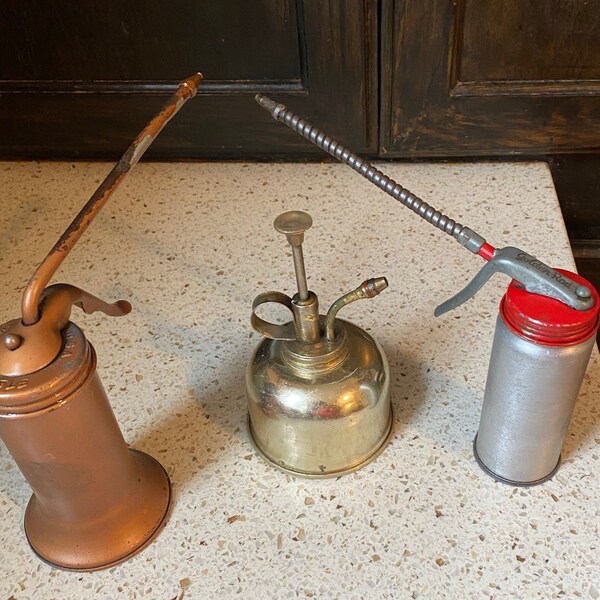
{"type": "Point", "coordinates": [535, 276]}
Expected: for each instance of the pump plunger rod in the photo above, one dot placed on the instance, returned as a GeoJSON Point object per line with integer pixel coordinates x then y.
{"type": "Point", "coordinates": [293, 224]}
{"type": "Point", "coordinates": [31, 297]}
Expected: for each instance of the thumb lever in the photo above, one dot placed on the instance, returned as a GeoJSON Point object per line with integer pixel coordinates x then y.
{"type": "Point", "coordinates": [25, 349]}
{"type": "Point", "coordinates": [58, 299]}
{"type": "Point", "coordinates": [535, 276]}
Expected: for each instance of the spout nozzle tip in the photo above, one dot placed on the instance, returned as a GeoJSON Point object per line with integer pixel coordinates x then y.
{"type": "Point", "coordinates": [374, 286]}
{"type": "Point", "coordinates": [193, 82]}
{"type": "Point", "coordinates": [269, 104]}
{"type": "Point", "coordinates": [382, 283]}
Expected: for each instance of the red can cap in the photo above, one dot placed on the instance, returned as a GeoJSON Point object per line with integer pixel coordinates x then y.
{"type": "Point", "coordinates": [546, 320]}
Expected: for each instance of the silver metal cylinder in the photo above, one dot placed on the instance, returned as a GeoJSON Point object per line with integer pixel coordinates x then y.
{"type": "Point", "coordinates": [530, 394]}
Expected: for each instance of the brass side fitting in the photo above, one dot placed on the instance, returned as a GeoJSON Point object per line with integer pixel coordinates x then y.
{"type": "Point", "coordinates": [367, 289]}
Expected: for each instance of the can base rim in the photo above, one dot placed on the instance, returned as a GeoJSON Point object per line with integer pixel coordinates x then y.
{"type": "Point", "coordinates": [165, 500]}
{"type": "Point", "coordinates": [501, 479]}
{"type": "Point", "coordinates": [390, 430]}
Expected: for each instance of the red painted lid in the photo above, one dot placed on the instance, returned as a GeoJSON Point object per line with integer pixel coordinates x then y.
{"type": "Point", "coordinates": [548, 321]}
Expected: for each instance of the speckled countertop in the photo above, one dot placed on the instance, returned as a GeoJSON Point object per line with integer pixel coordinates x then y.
{"type": "Point", "coordinates": [190, 245]}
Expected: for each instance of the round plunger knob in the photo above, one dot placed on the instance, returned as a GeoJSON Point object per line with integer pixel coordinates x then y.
{"type": "Point", "coordinates": [293, 224]}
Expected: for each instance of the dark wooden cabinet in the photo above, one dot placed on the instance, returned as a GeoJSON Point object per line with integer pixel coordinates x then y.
{"type": "Point", "coordinates": [394, 78]}
{"type": "Point", "coordinates": [489, 77]}
{"type": "Point", "coordinates": [80, 79]}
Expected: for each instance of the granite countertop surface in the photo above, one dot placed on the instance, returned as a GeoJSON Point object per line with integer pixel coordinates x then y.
{"type": "Point", "coordinates": [190, 245]}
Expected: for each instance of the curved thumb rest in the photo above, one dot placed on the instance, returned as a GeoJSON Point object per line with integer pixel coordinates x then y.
{"type": "Point", "coordinates": [58, 300]}
{"type": "Point", "coordinates": [273, 331]}
{"type": "Point", "coordinates": [90, 304]}
{"type": "Point", "coordinates": [535, 276]}
{"type": "Point", "coordinates": [25, 349]}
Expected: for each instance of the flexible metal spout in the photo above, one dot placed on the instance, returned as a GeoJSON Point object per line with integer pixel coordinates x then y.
{"type": "Point", "coordinates": [367, 289]}
{"type": "Point", "coordinates": [464, 235]}
{"type": "Point", "coordinates": [31, 297]}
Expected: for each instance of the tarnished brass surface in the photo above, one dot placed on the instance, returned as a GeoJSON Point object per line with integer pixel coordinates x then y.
{"type": "Point", "coordinates": [95, 502]}
{"type": "Point", "coordinates": [323, 415]}
{"type": "Point", "coordinates": [306, 318]}
{"type": "Point", "coordinates": [318, 402]}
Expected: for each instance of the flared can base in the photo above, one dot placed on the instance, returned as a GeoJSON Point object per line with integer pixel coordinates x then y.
{"type": "Point", "coordinates": [102, 542]}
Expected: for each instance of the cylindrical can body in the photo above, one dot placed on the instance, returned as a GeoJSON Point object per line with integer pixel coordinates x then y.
{"type": "Point", "coordinates": [539, 356]}
{"type": "Point", "coordinates": [95, 501]}
{"type": "Point", "coordinates": [74, 456]}
{"type": "Point", "coordinates": [530, 394]}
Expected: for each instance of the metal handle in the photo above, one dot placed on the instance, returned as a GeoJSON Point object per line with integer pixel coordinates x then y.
{"type": "Point", "coordinates": [33, 292]}
{"type": "Point", "coordinates": [533, 274]}
{"type": "Point", "coordinates": [274, 331]}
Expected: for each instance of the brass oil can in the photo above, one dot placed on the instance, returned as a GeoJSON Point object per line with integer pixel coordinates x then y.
{"type": "Point", "coordinates": [318, 386]}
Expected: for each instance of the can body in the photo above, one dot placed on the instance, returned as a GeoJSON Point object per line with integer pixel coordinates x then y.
{"type": "Point", "coordinates": [539, 356]}
{"type": "Point", "coordinates": [530, 394]}
{"type": "Point", "coordinates": [95, 502]}
{"type": "Point", "coordinates": [322, 415]}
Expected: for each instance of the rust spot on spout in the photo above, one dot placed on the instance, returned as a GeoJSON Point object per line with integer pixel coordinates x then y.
{"type": "Point", "coordinates": [31, 297]}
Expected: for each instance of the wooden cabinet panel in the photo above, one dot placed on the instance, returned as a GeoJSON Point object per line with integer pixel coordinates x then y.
{"type": "Point", "coordinates": [457, 77]}
{"type": "Point", "coordinates": [513, 41]}
{"type": "Point", "coordinates": [481, 77]}
{"type": "Point", "coordinates": [111, 41]}
{"type": "Point", "coordinates": [577, 182]}
{"type": "Point", "coordinates": [80, 79]}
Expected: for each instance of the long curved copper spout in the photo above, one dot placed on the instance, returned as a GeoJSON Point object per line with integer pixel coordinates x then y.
{"type": "Point", "coordinates": [32, 295]}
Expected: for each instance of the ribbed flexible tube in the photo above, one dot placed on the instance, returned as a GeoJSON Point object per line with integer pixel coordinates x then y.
{"type": "Point", "coordinates": [281, 113]}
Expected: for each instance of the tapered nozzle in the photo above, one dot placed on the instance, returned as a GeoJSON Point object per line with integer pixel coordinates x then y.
{"type": "Point", "coordinates": [372, 287]}
{"type": "Point", "coordinates": [269, 104]}
{"type": "Point", "coordinates": [193, 82]}
{"type": "Point", "coordinates": [367, 289]}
